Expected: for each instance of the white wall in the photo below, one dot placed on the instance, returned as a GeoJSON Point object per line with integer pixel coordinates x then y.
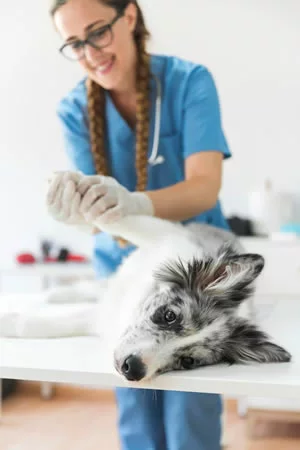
{"type": "Point", "coordinates": [32, 80]}
{"type": "Point", "coordinates": [251, 47]}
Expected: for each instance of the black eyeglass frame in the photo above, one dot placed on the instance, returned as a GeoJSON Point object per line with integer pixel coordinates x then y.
{"type": "Point", "coordinates": [84, 42]}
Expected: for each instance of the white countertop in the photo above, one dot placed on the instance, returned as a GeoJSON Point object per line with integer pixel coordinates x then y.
{"type": "Point", "coordinates": [84, 360]}
{"type": "Point", "coordinates": [53, 269]}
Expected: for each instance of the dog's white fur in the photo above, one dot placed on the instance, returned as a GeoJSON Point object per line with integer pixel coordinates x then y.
{"type": "Point", "coordinates": [158, 241]}
{"type": "Point", "coordinates": [120, 308]}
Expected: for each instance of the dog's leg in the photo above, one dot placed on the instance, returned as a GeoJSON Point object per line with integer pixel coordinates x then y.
{"type": "Point", "coordinates": [141, 230]}
{"type": "Point", "coordinates": [46, 324]}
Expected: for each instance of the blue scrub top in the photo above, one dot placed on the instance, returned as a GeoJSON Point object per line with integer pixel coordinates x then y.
{"type": "Point", "coordinates": [190, 123]}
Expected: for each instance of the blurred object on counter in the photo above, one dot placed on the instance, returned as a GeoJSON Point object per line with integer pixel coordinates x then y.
{"type": "Point", "coordinates": [50, 253]}
{"type": "Point", "coordinates": [270, 209]}
{"type": "Point", "coordinates": [46, 248]}
{"type": "Point", "coordinates": [26, 258]}
{"type": "Point", "coordinates": [240, 226]}
{"type": "Point", "coordinates": [291, 228]}
{"type": "Point", "coordinates": [288, 232]}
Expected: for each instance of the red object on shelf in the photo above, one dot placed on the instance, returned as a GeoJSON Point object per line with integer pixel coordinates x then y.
{"type": "Point", "coordinates": [26, 258]}
{"type": "Point", "coordinates": [70, 258]}
{"type": "Point", "coordinates": [29, 258]}
{"type": "Point", "coordinates": [76, 258]}
{"type": "Point", "coordinates": [50, 259]}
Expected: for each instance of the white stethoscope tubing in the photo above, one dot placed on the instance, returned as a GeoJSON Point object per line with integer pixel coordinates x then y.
{"type": "Point", "coordinates": [154, 157]}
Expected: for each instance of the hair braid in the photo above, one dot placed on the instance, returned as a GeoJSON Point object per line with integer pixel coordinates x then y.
{"type": "Point", "coordinates": [143, 116]}
{"type": "Point", "coordinates": [96, 112]}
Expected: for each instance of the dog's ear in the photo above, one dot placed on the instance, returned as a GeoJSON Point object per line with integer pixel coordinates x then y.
{"type": "Point", "coordinates": [226, 278]}
{"type": "Point", "coordinates": [247, 343]}
{"type": "Point", "coordinates": [229, 277]}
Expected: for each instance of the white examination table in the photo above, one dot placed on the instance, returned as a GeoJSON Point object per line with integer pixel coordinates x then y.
{"type": "Point", "coordinates": [85, 361]}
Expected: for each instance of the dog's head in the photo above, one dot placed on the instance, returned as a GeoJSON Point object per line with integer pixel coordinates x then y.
{"type": "Point", "coordinates": [190, 319]}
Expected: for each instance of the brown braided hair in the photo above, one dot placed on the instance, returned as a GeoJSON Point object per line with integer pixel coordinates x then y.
{"type": "Point", "coordinates": [96, 100]}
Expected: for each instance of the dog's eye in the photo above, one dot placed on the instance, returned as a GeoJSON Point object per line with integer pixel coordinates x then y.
{"type": "Point", "coordinates": [166, 319]}
{"type": "Point", "coordinates": [187, 362]}
{"type": "Point", "coordinates": [170, 316]}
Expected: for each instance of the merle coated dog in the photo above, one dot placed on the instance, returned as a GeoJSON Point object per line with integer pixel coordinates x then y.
{"type": "Point", "coordinates": [181, 300]}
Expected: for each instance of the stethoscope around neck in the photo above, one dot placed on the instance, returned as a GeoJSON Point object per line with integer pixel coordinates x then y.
{"type": "Point", "coordinates": [155, 158]}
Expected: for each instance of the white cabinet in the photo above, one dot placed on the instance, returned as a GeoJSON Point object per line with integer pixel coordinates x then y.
{"type": "Point", "coordinates": [278, 282]}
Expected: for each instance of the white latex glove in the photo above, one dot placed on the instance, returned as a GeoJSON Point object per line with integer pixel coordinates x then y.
{"type": "Point", "coordinates": [63, 200]}
{"type": "Point", "coordinates": [105, 201]}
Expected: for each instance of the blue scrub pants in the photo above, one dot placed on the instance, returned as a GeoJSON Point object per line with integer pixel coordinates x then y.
{"type": "Point", "coordinates": [168, 420]}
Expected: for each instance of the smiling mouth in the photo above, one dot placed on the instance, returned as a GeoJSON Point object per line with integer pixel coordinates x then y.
{"type": "Point", "coordinates": [105, 68]}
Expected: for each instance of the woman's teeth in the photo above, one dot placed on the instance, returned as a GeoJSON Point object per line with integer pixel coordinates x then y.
{"type": "Point", "coordinates": [104, 68]}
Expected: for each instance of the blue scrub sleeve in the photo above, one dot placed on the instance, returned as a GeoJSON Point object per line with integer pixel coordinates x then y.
{"type": "Point", "coordinates": [202, 127]}
{"type": "Point", "coordinates": [76, 136]}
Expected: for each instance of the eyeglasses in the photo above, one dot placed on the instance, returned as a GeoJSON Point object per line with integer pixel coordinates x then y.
{"type": "Point", "coordinates": [97, 38]}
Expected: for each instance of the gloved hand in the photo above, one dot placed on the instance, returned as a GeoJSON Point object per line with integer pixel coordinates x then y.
{"type": "Point", "coordinates": [107, 201]}
{"type": "Point", "coordinates": [63, 200]}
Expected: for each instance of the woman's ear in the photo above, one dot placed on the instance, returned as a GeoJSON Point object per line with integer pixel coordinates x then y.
{"type": "Point", "coordinates": [130, 15]}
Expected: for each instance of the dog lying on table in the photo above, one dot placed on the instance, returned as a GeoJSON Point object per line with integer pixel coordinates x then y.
{"type": "Point", "coordinates": [181, 300]}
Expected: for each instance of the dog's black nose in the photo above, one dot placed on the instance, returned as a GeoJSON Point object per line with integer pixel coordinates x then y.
{"type": "Point", "coordinates": [133, 368]}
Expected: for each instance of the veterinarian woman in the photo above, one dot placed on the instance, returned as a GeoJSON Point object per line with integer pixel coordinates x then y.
{"type": "Point", "coordinates": [153, 123]}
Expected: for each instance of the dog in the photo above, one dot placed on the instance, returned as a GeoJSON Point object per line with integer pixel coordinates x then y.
{"type": "Point", "coordinates": [181, 300]}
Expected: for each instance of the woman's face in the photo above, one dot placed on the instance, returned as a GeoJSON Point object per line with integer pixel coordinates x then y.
{"type": "Point", "coordinates": [113, 64]}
